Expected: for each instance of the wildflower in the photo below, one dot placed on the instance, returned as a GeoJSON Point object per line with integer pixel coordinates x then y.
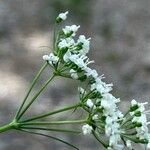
{"type": "Point", "coordinates": [51, 58]}
{"type": "Point", "coordinates": [99, 102]}
{"type": "Point", "coordinates": [46, 58]}
{"type": "Point", "coordinates": [74, 74]}
{"type": "Point", "coordinates": [66, 43]}
{"type": "Point", "coordinates": [87, 129]}
{"type": "Point", "coordinates": [81, 90]}
{"type": "Point", "coordinates": [139, 120]}
{"type": "Point", "coordinates": [95, 117]}
{"type": "Point", "coordinates": [89, 103]}
{"type": "Point", "coordinates": [84, 44]}
{"type": "Point", "coordinates": [91, 72]}
{"type": "Point", "coordinates": [61, 17]}
{"type": "Point", "coordinates": [113, 142]}
{"type": "Point", "coordinates": [101, 86]}
{"type": "Point", "coordinates": [70, 30]}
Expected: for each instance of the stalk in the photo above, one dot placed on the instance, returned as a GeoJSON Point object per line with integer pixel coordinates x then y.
{"type": "Point", "coordinates": [52, 113]}
{"type": "Point", "coordinates": [5, 128]}
{"type": "Point", "coordinates": [12, 125]}
{"type": "Point", "coordinates": [100, 140]}
{"type": "Point", "coordinates": [52, 129]}
{"type": "Point", "coordinates": [55, 122]}
{"type": "Point", "coordinates": [48, 136]}
{"type": "Point", "coordinates": [30, 89]}
{"type": "Point", "coordinates": [36, 95]}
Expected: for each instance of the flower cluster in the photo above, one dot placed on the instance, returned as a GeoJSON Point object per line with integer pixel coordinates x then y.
{"type": "Point", "coordinates": [70, 59]}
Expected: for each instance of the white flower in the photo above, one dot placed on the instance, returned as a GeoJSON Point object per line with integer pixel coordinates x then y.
{"type": "Point", "coordinates": [129, 145]}
{"type": "Point", "coordinates": [85, 44]}
{"type": "Point", "coordinates": [74, 74]}
{"type": "Point", "coordinates": [91, 72]}
{"type": "Point", "coordinates": [67, 56]}
{"type": "Point", "coordinates": [80, 60]}
{"type": "Point", "coordinates": [86, 129]}
{"type": "Point", "coordinates": [95, 117]}
{"type": "Point", "coordinates": [46, 57]}
{"type": "Point", "coordinates": [63, 16]}
{"type": "Point", "coordinates": [113, 142]}
{"type": "Point", "coordinates": [89, 103]}
{"type": "Point", "coordinates": [81, 90]}
{"type": "Point", "coordinates": [51, 58]}
{"type": "Point", "coordinates": [133, 102]}
{"type": "Point", "coordinates": [112, 127]}
{"type": "Point", "coordinates": [108, 102]}
{"type": "Point", "coordinates": [71, 30]}
{"type": "Point", "coordinates": [142, 130]}
{"type": "Point", "coordinates": [101, 87]}
{"type": "Point", "coordinates": [148, 145]}
{"type": "Point", "coordinates": [68, 42]}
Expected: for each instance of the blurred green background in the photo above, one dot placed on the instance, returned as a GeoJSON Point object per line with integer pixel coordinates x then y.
{"type": "Point", "coordinates": [120, 46]}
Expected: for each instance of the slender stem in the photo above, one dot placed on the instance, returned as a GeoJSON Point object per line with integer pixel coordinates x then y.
{"type": "Point", "coordinates": [54, 36]}
{"type": "Point", "coordinates": [5, 128]}
{"type": "Point", "coordinates": [126, 113]}
{"type": "Point", "coordinates": [55, 122]}
{"type": "Point", "coordinates": [45, 135]}
{"type": "Point", "coordinates": [30, 89]}
{"type": "Point", "coordinates": [135, 139]}
{"type": "Point", "coordinates": [36, 95]}
{"type": "Point", "coordinates": [124, 142]}
{"type": "Point", "coordinates": [9, 126]}
{"type": "Point", "coordinates": [52, 129]}
{"type": "Point", "coordinates": [65, 75]}
{"type": "Point", "coordinates": [52, 113]}
{"type": "Point", "coordinates": [101, 141]}
{"type": "Point", "coordinates": [131, 133]}
{"type": "Point", "coordinates": [126, 121]}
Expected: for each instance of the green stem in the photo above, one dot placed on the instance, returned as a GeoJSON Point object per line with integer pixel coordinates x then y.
{"type": "Point", "coordinates": [135, 139]}
{"type": "Point", "coordinates": [126, 113]}
{"type": "Point", "coordinates": [54, 36]}
{"type": "Point", "coordinates": [53, 112]}
{"type": "Point", "coordinates": [100, 140]}
{"type": "Point", "coordinates": [65, 76]}
{"type": "Point", "coordinates": [45, 135]}
{"type": "Point", "coordinates": [5, 128]}
{"type": "Point", "coordinates": [126, 121]}
{"type": "Point", "coordinates": [55, 122]}
{"type": "Point", "coordinates": [52, 129]}
{"type": "Point", "coordinates": [30, 89]}
{"type": "Point", "coordinates": [36, 95]}
{"type": "Point", "coordinates": [12, 125]}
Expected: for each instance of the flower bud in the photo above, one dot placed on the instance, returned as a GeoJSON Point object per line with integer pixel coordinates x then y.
{"type": "Point", "coordinates": [61, 17]}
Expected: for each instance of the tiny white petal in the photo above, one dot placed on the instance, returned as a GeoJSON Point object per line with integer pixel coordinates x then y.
{"type": "Point", "coordinates": [46, 57]}
{"type": "Point", "coordinates": [87, 129]}
{"type": "Point", "coordinates": [129, 145]}
{"type": "Point", "coordinates": [63, 16]}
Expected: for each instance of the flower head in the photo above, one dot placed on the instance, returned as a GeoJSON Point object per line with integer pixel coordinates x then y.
{"type": "Point", "coordinates": [104, 116]}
